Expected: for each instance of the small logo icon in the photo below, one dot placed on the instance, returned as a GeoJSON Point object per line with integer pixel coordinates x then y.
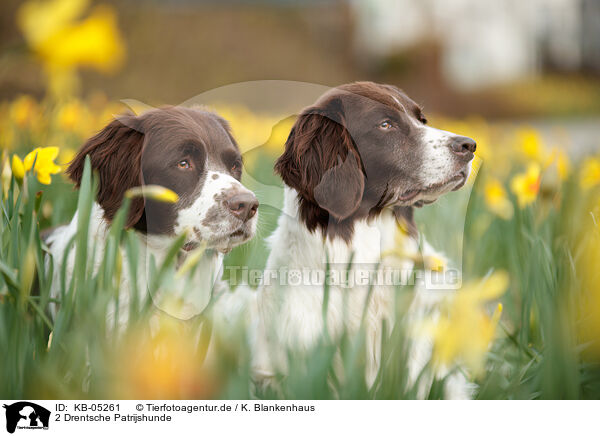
{"type": "Point", "coordinates": [26, 415]}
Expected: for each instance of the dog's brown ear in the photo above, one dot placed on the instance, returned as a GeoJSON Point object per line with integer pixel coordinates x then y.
{"type": "Point", "coordinates": [115, 155]}
{"type": "Point", "coordinates": [321, 161]}
{"type": "Point", "coordinates": [341, 188]}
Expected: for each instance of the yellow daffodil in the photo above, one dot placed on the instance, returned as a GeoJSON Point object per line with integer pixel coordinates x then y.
{"type": "Point", "coordinates": [153, 192]}
{"type": "Point", "coordinates": [69, 115]}
{"type": "Point", "coordinates": [526, 185]}
{"type": "Point", "coordinates": [464, 330]}
{"type": "Point", "coordinates": [65, 156]}
{"type": "Point", "coordinates": [24, 111]}
{"type": "Point", "coordinates": [44, 163]}
{"type": "Point", "coordinates": [279, 134]}
{"type": "Point", "coordinates": [435, 263]}
{"type": "Point", "coordinates": [63, 42]}
{"type": "Point", "coordinates": [404, 251]}
{"type": "Point", "coordinates": [256, 130]}
{"type": "Point", "coordinates": [532, 145]}
{"type": "Point", "coordinates": [563, 165]}
{"type": "Point", "coordinates": [166, 365]}
{"type": "Point", "coordinates": [41, 19]}
{"type": "Point", "coordinates": [94, 42]}
{"type": "Point", "coordinates": [497, 200]}
{"type": "Point", "coordinates": [17, 167]}
{"type": "Point", "coordinates": [590, 173]}
{"type": "Point", "coordinates": [8, 136]}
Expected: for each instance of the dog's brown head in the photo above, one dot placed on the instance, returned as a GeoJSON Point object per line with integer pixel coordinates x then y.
{"type": "Point", "coordinates": [188, 150]}
{"type": "Point", "coordinates": [363, 147]}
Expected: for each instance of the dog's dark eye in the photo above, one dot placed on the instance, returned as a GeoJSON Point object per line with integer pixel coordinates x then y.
{"type": "Point", "coordinates": [385, 125]}
{"type": "Point", "coordinates": [184, 164]}
{"type": "Point", "coordinates": [237, 166]}
{"type": "Point", "coordinates": [423, 120]}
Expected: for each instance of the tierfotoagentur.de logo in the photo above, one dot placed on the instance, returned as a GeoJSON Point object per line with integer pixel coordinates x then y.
{"type": "Point", "coordinates": [26, 415]}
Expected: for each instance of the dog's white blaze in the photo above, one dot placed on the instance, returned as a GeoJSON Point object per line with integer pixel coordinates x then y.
{"type": "Point", "coordinates": [410, 118]}
{"type": "Point", "coordinates": [438, 160]}
{"type": "Point", "coordinates": [191, 218]}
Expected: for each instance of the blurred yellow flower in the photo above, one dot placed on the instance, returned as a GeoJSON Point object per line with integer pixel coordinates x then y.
{"type": "Point", "coordinates": [43, 157]}
{"type": "Point", "coordinates": [153, 192]}
{"type": "Point", "coordinates": [532, 145]}
{"type": "Point", "coordinates": [254, 130]}
{"type": "Point", "coordinates": [403, 250]}
{"type": "Point", "coordinates": [7, 138]}
{"type": "Point", "coordinates": [497, 200]}
{"type": "Point", "coordinates": [64, 44]}
{"type": "Point", "coordinates": [65, 156]}
{"type": "Point", "coordinates": [526, 185]}
{"type": "Point", "coordinates": [41, 19]}
{"type": "Point", "coordinates": [24, 111]}
{"type": "Point", "coordinates": [94, 42]}
{"type": "Point", "coordinates": [69, 115]}
{"type": "Point", "coordinates": [563, 165]}
{"type": "Point", "coordinates": [590, 173]}
{"type": "Point", "coordinates": [281, 130]}
{"type": "Point", "coordinates": [17, 167]}
{"type": "Point", "coordinates": [169, 364]}
{"type": "Point", "coordinates": [464, 330]}
{"type": "Point", "coordinates": [435, 263]}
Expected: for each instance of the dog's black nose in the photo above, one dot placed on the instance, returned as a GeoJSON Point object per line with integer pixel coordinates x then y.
{"type": "Point", "coordinates": [243, 205]}
{"type": "Point", "coordinates": [463, 145]}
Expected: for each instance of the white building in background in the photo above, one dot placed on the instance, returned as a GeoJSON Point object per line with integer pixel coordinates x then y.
{"type": "Point", "coordinates": [484, 42]}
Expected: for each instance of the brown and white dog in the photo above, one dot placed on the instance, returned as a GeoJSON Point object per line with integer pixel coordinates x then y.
{"type": "Point", "coordinates": [355, 163]}
{"type": "Point", "coordinates": [188, 150]}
